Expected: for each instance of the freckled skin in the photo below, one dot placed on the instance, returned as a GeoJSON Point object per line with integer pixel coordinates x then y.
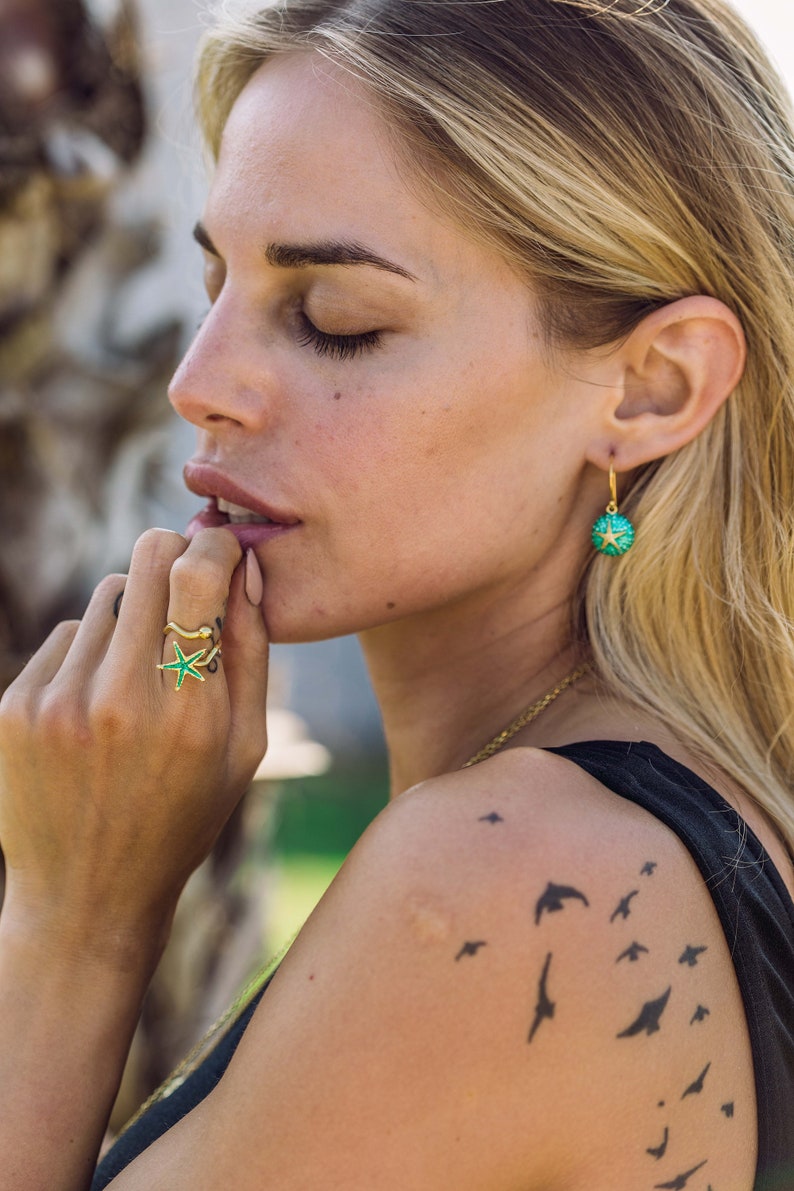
{"type": "Point", "coordinates": [375, 479]}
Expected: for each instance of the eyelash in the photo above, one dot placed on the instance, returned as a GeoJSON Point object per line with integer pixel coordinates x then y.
{"type": "Point", "coordinates": [339, 347]}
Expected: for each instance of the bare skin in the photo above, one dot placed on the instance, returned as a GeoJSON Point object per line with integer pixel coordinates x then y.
{"type": "Point", "coordinates": [518, 980]}
{"type": "Point", "coordinates": [88, 907]}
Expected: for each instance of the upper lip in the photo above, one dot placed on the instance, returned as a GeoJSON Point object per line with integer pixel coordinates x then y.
{"type": "Point", "coordinates": [204, 480]}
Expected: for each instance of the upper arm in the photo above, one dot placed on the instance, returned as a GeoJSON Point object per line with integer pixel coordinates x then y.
{"type": "Point", "coordinates": [500, 970]}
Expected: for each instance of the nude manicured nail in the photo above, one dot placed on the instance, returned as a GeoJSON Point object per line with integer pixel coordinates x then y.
{"type": "Point", "coordinates": [254, 587]}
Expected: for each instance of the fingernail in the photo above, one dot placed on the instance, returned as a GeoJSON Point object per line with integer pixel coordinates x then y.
{"type": "Point", "coordinates": [254, 587]}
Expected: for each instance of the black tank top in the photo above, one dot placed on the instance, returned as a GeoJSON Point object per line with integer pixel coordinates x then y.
{"type": "Point", "coordinates": [754, 908]}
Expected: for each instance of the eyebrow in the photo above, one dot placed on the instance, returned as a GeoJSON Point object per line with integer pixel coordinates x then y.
{"type": "Point", "coordinates": [325, 252]}
{"type": "Point", "coordinates": [330, 252]}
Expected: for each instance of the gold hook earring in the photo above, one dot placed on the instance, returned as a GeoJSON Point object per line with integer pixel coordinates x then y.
{"type": "Point", "coordinates": [613, 533]}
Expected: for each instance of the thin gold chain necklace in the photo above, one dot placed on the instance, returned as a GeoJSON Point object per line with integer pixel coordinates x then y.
{"type": "Point", "coordinates": [527, 716]}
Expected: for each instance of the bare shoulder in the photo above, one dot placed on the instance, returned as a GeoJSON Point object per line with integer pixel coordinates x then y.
{"type": "Point", "coordinates": [517, 980]}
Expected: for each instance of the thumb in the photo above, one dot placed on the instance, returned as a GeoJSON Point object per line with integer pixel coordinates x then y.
{"type": "Point", "coordinates": [245, 665]}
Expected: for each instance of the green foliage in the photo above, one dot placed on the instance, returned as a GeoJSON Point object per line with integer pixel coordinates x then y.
{"type": "Point", "coordinates": [326, 815]}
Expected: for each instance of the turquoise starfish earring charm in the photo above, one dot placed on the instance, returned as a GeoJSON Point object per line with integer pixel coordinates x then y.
{"type": "Point", "coordinates": [612, 533]}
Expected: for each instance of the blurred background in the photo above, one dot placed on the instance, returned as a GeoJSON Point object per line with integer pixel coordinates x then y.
{"type": "Point", "coordinates": [101, 181]}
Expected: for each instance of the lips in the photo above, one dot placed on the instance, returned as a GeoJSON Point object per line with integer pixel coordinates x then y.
{"type": "Point", "coordinates": [248, 518]}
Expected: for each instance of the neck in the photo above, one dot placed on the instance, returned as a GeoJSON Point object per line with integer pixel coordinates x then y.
{"type": "Point", "coordinates": [449, 681]}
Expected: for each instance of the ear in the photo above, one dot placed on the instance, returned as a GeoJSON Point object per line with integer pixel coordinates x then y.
{"type": "Point", "coordinates": [668, 379]}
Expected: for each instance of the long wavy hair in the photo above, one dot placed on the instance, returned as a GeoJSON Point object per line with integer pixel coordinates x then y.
{"type": "Point", "coordinates": [624, 153]}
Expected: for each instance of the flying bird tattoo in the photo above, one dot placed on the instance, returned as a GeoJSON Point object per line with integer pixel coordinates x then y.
{"type": "Point", "coordinates": [648, 868]}
{"type": "Point", "coordinates": [700, 1014]}
{"type": "Point", "coordinates": [660, 1150]}
{"type": "Point", "coordinates": [632, 953]}
{"type": "Point", "coordinates": [552, 898]}
{"type": "Point", "coordinates": [690, 955]}
{"type": "Point", "coordinates": [681, 1180]}
{"type": "Point", "coordinates": [727, 1109]}
{"type": "Point", "coordinates": [696, 1088]}
{"type": "Point", "coordinates": [623, 908]}
{"type": "Point", "coordinates": [648, 1020]}
{"type": "Point", "coordinates": [492, 818]}
{"type": "Point", "coordinates": [545, 1007]}
{"type": "Point", "coordinates": [470, 949]}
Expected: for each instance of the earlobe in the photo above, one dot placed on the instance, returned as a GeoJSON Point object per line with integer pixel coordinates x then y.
{"type": "Point", "coordinates": [679, 366]}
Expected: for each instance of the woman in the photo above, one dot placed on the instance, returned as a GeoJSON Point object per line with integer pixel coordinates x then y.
{"type": "Point", "coordinates": [477, 272]}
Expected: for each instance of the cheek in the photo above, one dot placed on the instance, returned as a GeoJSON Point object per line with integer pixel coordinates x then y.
{"type": "Point", "coordinates": [388, 446]}
{"type": "Point", "coordinates": [406, 476]}
{"type": "Point", "coordinates": [440, 430]}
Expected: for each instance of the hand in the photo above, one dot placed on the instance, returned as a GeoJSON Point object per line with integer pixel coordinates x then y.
{"type": "Point", "coordinates": [113, 784]}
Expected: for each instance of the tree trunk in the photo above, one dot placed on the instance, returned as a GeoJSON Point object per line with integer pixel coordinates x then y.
{"type": "Point", "coordinates": [85, 426]}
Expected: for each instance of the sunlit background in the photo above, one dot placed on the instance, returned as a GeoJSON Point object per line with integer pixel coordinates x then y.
{"type": "Point", "coordinates": [773, 20]}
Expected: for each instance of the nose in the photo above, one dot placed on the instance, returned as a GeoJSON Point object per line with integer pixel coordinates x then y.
{"type": "Point", "coordinates": [223, 380]}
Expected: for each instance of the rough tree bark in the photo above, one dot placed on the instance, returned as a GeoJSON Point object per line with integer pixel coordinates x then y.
{"type": "Point", "coordinates": [84, 424]}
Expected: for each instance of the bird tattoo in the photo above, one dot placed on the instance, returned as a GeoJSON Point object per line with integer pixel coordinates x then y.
{"type": "Point", "coordinates": [632, 953]}
{"type": "Point", "coordinates": [545, 1007]}
{"type": "Point", "coordinates": [470, 948]}
{"type": "Point", "coordinates": [660, 1150]}
{"type": "Point", "coordinates": [494, 817]}
{"type": "Point", "coordinates": [696, 1088]}
{"type": "Point", "coordinates": [690, 955]}
{"type": "Point", "coordinates": [647, 869]}
{"type": "Point", "coordinates": [552, 899]}
{"type": "Point", "coordinates": [727, 1110]}
{"type": "Point", "coordinates": [700, 1014]}
{"type": "Point", "coordinates": [681, 1180]}
{"type": "Point", "coordinates": [623, 908]}
{"type": "Point", "coordinates": [648, 1020]}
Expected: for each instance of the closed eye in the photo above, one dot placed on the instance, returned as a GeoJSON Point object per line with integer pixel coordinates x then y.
{"type": "Point", "coordinates": [339, 347]}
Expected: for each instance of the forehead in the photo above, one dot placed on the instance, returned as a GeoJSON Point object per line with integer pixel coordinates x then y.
{"type": "Point", "coordinates": [307, 157]}
{"type": "Point", "coordinates": [306, 146]}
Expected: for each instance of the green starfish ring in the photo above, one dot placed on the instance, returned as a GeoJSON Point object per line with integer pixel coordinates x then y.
{"type": "Point", "coordinates": [184, 665]}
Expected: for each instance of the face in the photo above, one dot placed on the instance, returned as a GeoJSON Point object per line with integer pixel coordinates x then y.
{"type": "Point", "coordinates": [369, 378]}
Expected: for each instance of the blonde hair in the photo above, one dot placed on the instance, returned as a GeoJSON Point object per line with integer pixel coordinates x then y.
{"type": "Point", "coordinates": [624, 154]}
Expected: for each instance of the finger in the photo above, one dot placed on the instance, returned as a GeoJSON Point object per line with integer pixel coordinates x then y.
{"type": "Point", "coordinates": [48, 658]}
{"type": "Point", "coordinates": [142, 612]}
{"type": "Point", "coordinates": [245, 663]}
{"type": "Point", "coordinates": [94, 633]}
{"type": "Point", "coordinates": [199, 590]}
